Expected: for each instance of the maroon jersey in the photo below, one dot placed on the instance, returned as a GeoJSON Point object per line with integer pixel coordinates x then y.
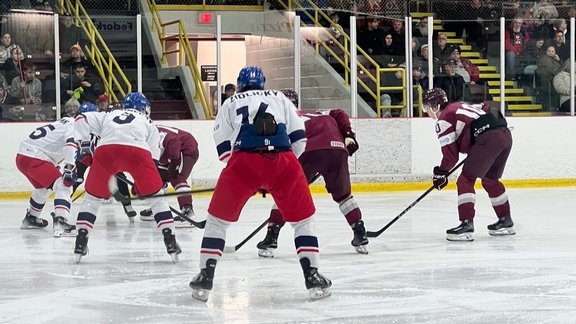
{"type": "Point", "coordinates": [176, 143]}
{"type": "Point", "coordinates": [326, 131]}
{"type": "Point", "coordinates": [453, 130]}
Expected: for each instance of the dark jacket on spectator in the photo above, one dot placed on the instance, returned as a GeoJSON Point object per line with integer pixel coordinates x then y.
{"type": "Point", "coordinates": [454, 86]}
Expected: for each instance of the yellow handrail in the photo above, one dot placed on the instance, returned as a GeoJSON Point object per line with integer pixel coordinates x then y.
{"type": "Point", "coordinates": [185, 52]}
{"type": "Point", "coordinates": [106, 67]}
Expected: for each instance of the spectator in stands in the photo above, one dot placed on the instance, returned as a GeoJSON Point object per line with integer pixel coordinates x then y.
{"type": "Point", "coordinates": [391, 57]}
{"type": "Point", "coordinates": [534, 51]}
{"type": "Point", "coordinates": [67, 67]}
{"type": "Point", "coordinates": [423, 60]}
{"type": "Point", "coordinates": [541, 28]}
{"type": "Point", "coordinates": [371, 39]}
{"type": "Point", "coordinates": [561, 84]}
{"type": "Point", "coordinates": [548, 66]}
{"type": "Point", "coordinates": [399, 36]}
{"type": "Point", "coordinates": [451, 82]}
{"type": "Point", "coordinates": [229, 91]}
{"type": "Point", "coordinates": [475, 14]}
{"type": "Point", "coordinates": [86, 87]}
{"type": "Point", "coordinates": [103, 102]}
{"type": "Point", "coordinates": [441, 50]}
{"type": "Point", "coordinates": [515, 40]}
{"type": "Point", "coordinates": [420, 31]}
{"type": "Point", "coordinates": [560, 46]}
{"type": "Point", "coordinates": [464, 67]}
{"type": "Point", "coordinates": [3, 95]}
{"type": "Point", "coordinates": [545, 10]}
{"type": "Point", "coordinates": [6, 46]}
{"type": "Point", "coordinates": [13, 66]}
{"type": "Point", "coordinates": [415, 48]}
{"type": "Point", "coordinates": [70, 34]}
{"type": "Point", "coordinates": [561, 25]}
{"type": "Point", "coordinates": [27, 91]}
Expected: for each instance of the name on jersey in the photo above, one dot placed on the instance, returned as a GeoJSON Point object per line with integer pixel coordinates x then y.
{"type": "Point", "coordinates": [243, 95]}
{"type": "Point", "coordinates": [336, 144]}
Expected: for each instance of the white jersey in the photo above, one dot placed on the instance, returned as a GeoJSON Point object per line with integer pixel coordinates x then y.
{"type": "Point", "coordinates": [235, 130]}
{"type": "Point", "coordinates": [121, 127]}
{"type": "Point", "coordinates": [53, 142]}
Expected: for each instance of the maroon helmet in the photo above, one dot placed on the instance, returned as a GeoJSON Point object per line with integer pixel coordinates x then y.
{"type": "Point", "coordinates": [292, 95]}
{"type": "Point", "coordinates": [434, 99]}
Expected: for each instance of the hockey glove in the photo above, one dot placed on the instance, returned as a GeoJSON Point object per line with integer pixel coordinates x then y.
{"type": "Point", "coordinates": [350, 142]}
{"type": "Point", "coordinates": [440, 179]}
{"type": "Point", "coordinates": [86, 152]}
{"type": "Point", "coordinates": [69, 177]}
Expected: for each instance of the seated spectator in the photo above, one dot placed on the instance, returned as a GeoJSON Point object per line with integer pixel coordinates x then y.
{"type": "Point", "coordinates": [399, 36]}
{"type": "Point", "coordinates": [13, 65]}
{"type": "Point", "coordinates": [464, 66]}
{"type": "Point", "coordinates": [515, 40]}
{"type": "Point", "coordinates": [70, 34]}
{"type": "Point", "coordinates": [541, 28]}
{"type": "Point", "coordinates": [27, 91]}
{"type": "Point", "coordinates": [6, 46]}
{"type": "Point", "coordinates": [420, 30]}
{"type": "Point", "coordinates": [451, 82]}
{"type": "Point", "coordinates": [560, 46]}
{"type": "Point", "coordinates": [548, 66]}
{"type": "Point", "coordinates": [419, 79]}
{"type": "Point", "coordinates": [561, 25]}
{"type": "Point", "coordinates": [370, 39]}
{"type": "Point", "coordinates": [391, 56]}
{"type": "Point", "coordinates": [67, 67]}
{"type": "Point", "coordinates": [441, 50]}
{"type": "Point", "coordinates": [86, 87]}
{"type": "Point", "coordinates": [474, 14]}
{"type": "Point", "coordinates": [534, 51]}
{"type": "Point", "coordinates": [561, 84]}
{"type": "Point", "coordinates": [422, 58]}
{"type": "Point", "coordinates": [103, 102]}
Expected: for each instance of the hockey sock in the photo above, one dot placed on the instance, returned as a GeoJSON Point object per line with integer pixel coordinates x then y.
{"type": "Point", "coordinates": [88, 211]}
{"type": "Point", "coordinates": [349, 208]}
{"type": "Point", "coordinates": [62, 199]}
{"type": "Point", "coordinates": [213, 240]}
{"type": "Point", "coordinates": [38, 200]}
{"type": "Point", "coordinates": [184, 200]}
{"type": "Point", "coordinates": [306, 241]}
{"type": "Point", "coordinates": [498, 197]}
{"type": "Point", "coordinates": [466, 197]}
{"type": "Point", "coordinates": [162, 213]}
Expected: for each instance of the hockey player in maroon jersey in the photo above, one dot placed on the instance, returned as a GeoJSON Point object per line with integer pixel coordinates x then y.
{"type": "Point", "coordinates": [259, 135]}
{"type": "Point", "coordinates": [179, 155]}
{"type": "Point", "coordinates": [481, 132]}
{"type": "Point", "coordinates": [330, 142]}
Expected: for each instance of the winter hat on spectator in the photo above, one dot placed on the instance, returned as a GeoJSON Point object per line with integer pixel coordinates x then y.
{"type": "Point", "coordinates": [103, 98]}
{"type": "Point", "coordinates": [450, 61]}
{"type": "Point", "coordinates": [76, 46]}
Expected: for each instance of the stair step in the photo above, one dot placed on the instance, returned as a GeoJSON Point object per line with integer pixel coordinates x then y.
{"type": "Point", "coordinates": [532, 114]}
{"type": "Point", "coordinates": [455, 41]}
{"type": "Point", "coordinates": [477, 61]}
{"type": "Point", "coordinates": [489, 75]}
{"type": "Point", "coordinates": [525, 107]}
{"type": "Point", "coordinates": [506, 91]}
{"type": "Point", "coordinates": [487, 68]}
{"type": "Point", "coordinates": [463, 47]}
{"type": "Point", "coordinates": [470, 54]}
{"type": "Point", "coordinates": [421, 14]}
{"type": "Point", "coordinates": [515, 99]}
{"type": "Point", "coordinates": [497, 83]}
{"type": "Point", "coordinates": [437, 27]}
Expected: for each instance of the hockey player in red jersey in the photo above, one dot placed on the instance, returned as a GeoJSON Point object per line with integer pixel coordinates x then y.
{"type": "Point", "coordinates": [481, 132]}
{"type": "Point", "coordinates": [179, 155]}
{"type": "Point", "coordinates": [330, 140]}
{"type": "Point", "coordinates": [259, 134]}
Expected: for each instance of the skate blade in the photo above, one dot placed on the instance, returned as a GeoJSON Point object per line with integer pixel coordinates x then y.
{"type": "Point", "coordinates": [502, 232]}
{"type": "Point", "coordinates": [65, 234]}
{"type": "Point", "coordinates": [147, 218]}
{"type": "Point", "coordinates": [362, 249]}
{"type": "Point", "coordinates": [174, 257]}
{"type": "Point", "coordinates": [77, 258]}
{"type": "Point", "coordinates": [184, 225]}
{"type": "Point", "coordinates": [266, 253]}
{"type": "Point", "coordinates": [319, 293]}
{"type": "Point", "coordinates": [200, 294]}
{"type": "Point", "coordinates": [466, 237]}
{"type": "Point", "coordinates": [27, 227]}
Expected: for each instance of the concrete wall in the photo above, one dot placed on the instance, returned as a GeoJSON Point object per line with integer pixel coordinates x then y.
{"type": "Point", "coordinates": [391, 150]}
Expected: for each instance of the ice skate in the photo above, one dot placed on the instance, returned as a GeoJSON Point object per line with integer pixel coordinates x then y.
{"type": "Point", "coordinates": [201, 284]}
{"type": "Point", "coordinates": [130, 212]}
{"type": "Point", "coordinates": [172, 246]}
{"type": "Point", "coordinates": [360, 239]}
{"type": "Point", "coordinates": [33, 222]}
{"type": "Point", "coordinates": [318, 286]}
{"type": "Point", "coordinates": [183, 223]}
{"type": "Point", "coordinates": [504, 226]}
{"type": "Point", "coordinates": [61, 227]}
{"type": "Point", "coordinates": [146, 215]}
{"type": "Point", "coordinates": [267, 246]}
{"type": "Point", "coordinates": [463, 232]}
{"type": "Point", "coordinates": [81, 248]}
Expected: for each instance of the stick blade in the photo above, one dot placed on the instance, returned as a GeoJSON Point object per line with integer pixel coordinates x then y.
{"type": "Point", "coordinates": [372, 234]}
{"type": "Point", "coordinates": [229, 249]}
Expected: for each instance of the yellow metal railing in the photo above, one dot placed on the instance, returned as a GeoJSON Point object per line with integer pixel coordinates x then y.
{"type": "Point", "coordinates": [104, 63]}
{"type": "Point", "coordinates": [371, 69]}
{"type": "Point", "coordinates": [185, 57]}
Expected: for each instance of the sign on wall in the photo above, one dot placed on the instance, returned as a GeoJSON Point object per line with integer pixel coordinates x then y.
{"type": "Point", "coordinates": [208, 72]}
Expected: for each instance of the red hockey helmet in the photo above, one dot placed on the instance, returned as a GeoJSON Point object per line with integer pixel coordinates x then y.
{"type": "Point", "coordinates": [433, 100]}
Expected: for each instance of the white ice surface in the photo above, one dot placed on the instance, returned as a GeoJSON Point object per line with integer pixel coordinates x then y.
{"type": "Point", "coordinates": [412, 274]}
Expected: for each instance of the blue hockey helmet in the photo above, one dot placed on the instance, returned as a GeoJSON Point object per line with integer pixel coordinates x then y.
{"type": "Point", "coordinates": [136, 101]}
{"type": "Point", "coordinates": [87, 106]}
{"type": "Point", "coordinates": [250, 78]}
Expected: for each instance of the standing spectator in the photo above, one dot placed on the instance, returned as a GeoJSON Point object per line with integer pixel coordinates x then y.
{"type": "Point", "coordinates": [6, 47]}
{"type": "Point", "coordinates": [37, 158]}
{"type": "Point", "coordinates": [515, 40]}
{"type": "Point", "coordinates": [229, 91]}
{"type": "Point", "coordinates": [13, 65]}
{"type": "Point", "coordinates": [70, 34]}
{"type": "Point", "coordinates": [27, 91]}
{"type": "Point", "coordinates": [482, 134]}
{"type": "Point", "coordinates": [261, 151]}
{"type": "Point", "coordinates": [561, 84]}
{"type": "Point", "coordinates": [464, 67]}
{"type": "Point", "coordinates": [86, 87]}
{"type": "Point", "coordinates": [330, 142]}
{"type": "Point", "coordinates": [453, 84]}
{"type": "Point", "coordinates": [128, 142]}
{"type": "Point", "coordinates": [179, 155]}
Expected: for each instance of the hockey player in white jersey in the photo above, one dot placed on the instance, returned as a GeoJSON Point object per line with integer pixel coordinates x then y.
{"type": "Point", "coordinates": [260, 135]}
{"type": "Point", "coordinates": [129, 142]}
{"type": "Point", "coordinates": [38, 159]}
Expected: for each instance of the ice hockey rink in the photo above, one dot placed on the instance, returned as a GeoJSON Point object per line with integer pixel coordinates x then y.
{"type": "Point", "coordinates": [411, 275]}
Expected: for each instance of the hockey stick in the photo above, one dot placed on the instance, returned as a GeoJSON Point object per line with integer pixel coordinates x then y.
{"type": "Point", "coordinates": [123, 198]}
{"type": "Point", "coordinates": [232, 249]}
{"type": "Point", "coordinates": [195, 191]}
{"type": "Point", "coordinates": [380, 231]}
{"type": "Point", "coordinates": [78, 196]}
